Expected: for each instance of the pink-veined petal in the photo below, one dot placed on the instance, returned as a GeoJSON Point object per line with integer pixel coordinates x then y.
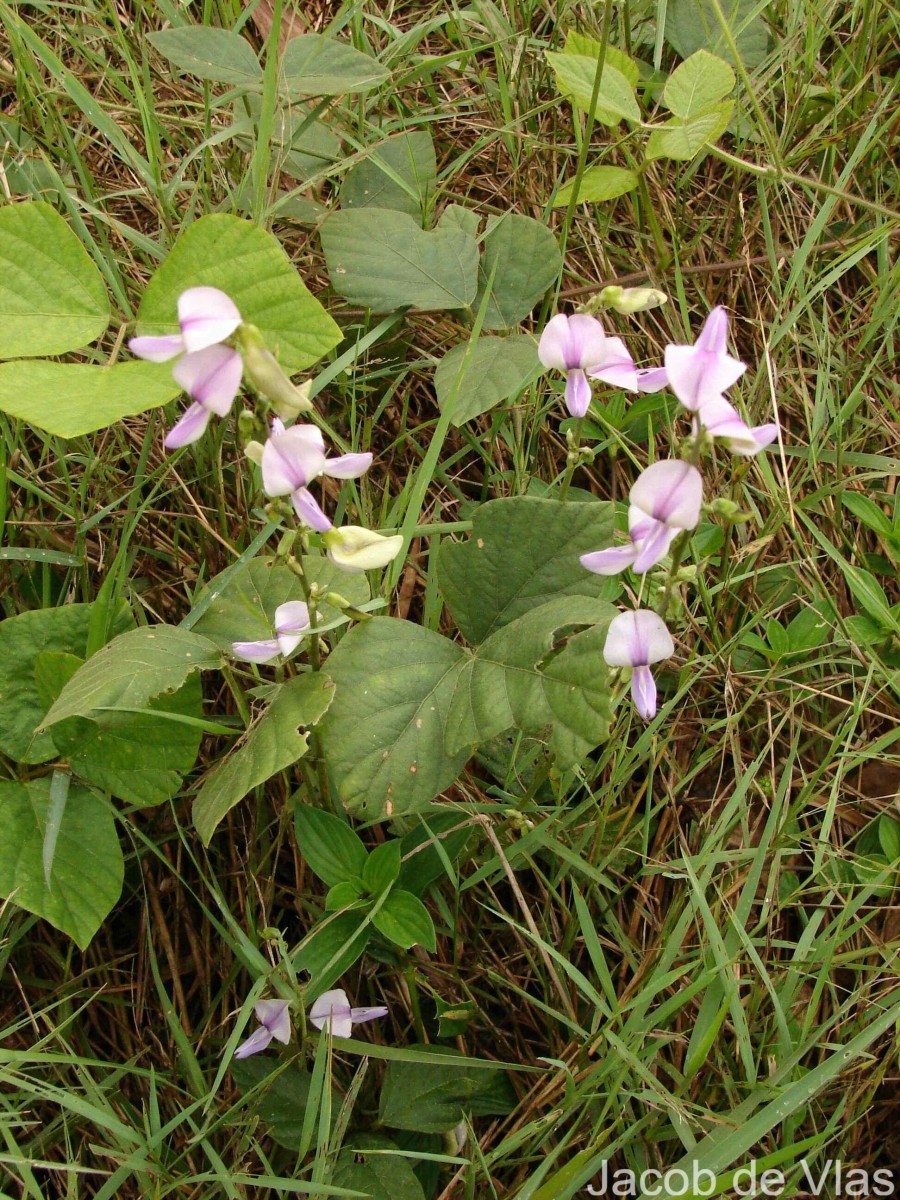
{"type": "Point", "coordinates": [643, 692]}
{"type": "Point", "coordinates": [617, 366]}
{"type": "Point", "coordinates": [206, 316]}
{"type": "Point", "coordinates": [291, 617]}
{"type": "Point", "coordinates": [258, 652]}
{"type": "Point", "coordinates": [570, 342]}
{"type": "Point", "coordinates": [290, 461]}
{"type": "Point", "coordinates": [275, 1016]}
{"type": "Point", "coordinates": [697, 377]}
{"type": "Point", "coordinates": [157, 349]}
{"type": "Point", "coordinates": [258, 1040]}
{"type": "Point", "coordinates": [636, 639]}
{"type": "Point", "coordinates": [190, 428]}
{"type": "Point", "coordinates": [309, 512]}
{"type": "Point", "coordinates": [347, 466]}
{"type": "Point", "coordinates": [332, 1011]}
{"type": "Point", "coordinates": [713, 337]}
{"type": "Point", "coordinates": [653, 546]}
{"type": "Point", "coordinates": [578, 392]}
{"type": "Point", "coordinates": [212, 377]}
{"type": "Point", "coordinates": [554, 344]}
{"type": "Point", "coordinates": [610, 561]}
{"type": "Point", "coordinates": [651, 379]}
{"type": "Point", "coordinates": [670, 491]}
{"type": "Point", "coordinates": [359, 1015]}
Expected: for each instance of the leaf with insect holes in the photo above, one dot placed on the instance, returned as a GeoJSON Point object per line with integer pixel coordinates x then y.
{"type": "Point", "coordinates": [85, 878]}
{"type": "Point", "coordinates": [52, 296]}
{"type": "Point", "coordinates": [252, 267]}
{"type": "Point", "coordinates": [219, 55]}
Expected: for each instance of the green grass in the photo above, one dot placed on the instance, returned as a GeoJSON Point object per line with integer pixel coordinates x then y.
{"type": "Point", "coordinates": [679, 942]}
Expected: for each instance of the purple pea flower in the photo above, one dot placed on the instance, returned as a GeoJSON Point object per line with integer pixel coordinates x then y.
{"type": "Point", "coordinates": [291, 622]}
{"type": "Point", "coordinates": [211, 377]}
{"type": "Point", "coordinates": [638, 639]}
{"type": "Point", "coordinates": [579, 346]}
{"type": "Point", "coordinates": [332, 1011]}
{"type": "Point", "coordinates": [274, 1022]}
{"type": "Point", "coordinates": [722, 420]}
{"type": "Point", "coordinates": [665, 499]}
{"type": "Point", "coordinates": [206, 317]}
{"type": "Point", "coordinates": [699, 374]}
{"type": "Point", "coordinates": [293, 458]}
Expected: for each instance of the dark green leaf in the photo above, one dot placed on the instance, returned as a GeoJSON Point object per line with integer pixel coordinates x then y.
{"type": "Point", "coordinates": [378, 1174]}
{"type": "Point", "coordinates": [330, 847]}
{"type": "Point", "coordinates": [331, 950]}
{"type": "Point", "coordinates": [522, 257]}
{"type": "Point", "coordinates": [403, 919]}
{"type": "Point", "coordinates": [382, 867]}
{"type": "Point", "coordinates": [282, 1105]}
{"type": "Point", "coordinates": [430, 850]}
{"type": "Point", "coordinates": [398, 174]}
{"type": "Point", "coordinates": [432, 1097]}
{"type": "Point", "coordinates": [475, 377]}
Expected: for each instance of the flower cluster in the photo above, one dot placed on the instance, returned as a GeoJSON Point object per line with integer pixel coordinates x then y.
{"type": "Point", "coordinates": [331, 1012]}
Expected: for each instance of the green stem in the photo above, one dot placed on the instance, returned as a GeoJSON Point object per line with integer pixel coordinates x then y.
{"type": "Point", "coordinates": [572, 458]}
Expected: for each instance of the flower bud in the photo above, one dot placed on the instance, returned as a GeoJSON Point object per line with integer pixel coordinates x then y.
{"type": "Point", "coordinates": [262, 369]}
{"type": "Point", "coordinates": [723, 507]}
{"type": "Point", "coordinates": [632, 300]}
{"type": "Point", "coordinates": [355, 549]}
{"type": "Point", "coordinates": [254, 451]}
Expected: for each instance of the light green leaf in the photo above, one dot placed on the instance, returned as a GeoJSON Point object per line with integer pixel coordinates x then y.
{"type": "Point", "coordinates": [522, 552]}
{"type": "Point", "coordinates": [70, 399]}
{"type": "Point", "coordinates": [403, 919]}
{"type": "Point", "coordinates": [249, 264]}
{"type": "Point", "coordinates": [681, 140]}
{"type": "Point", "coordinates": [379, 1176]}
{"type": "Point", "coordinates": [398, 174]}
{"type": "Point", "coordinates": [87, 868]}
{"type": "Point", "coordinates": [575, 79]}
{"type": "Point", "coordinates": [383, 736]}
{"type": "Point", "coordinates": [694, 25]}
{"type": "Point", "coordinates": [244, 609]}
{"type": "Point", "coordinates": [869, 593]}
{"type": "Point", "coordinates": [272, 743]}
{"type": "Point", "coordinates": [331, 848]}
{"type": "Point", "coordinates": [456, 218]}
{"type": "Point", "coordinates": [523, 258]}
{"type": "Point", "coordinates": [699, 82]}
{"type": "Point", "coordinates": [52, 296]}
{"type": "Point", "coordinates": [133, 669]}
{"type": "Point", "coordinates": [215, 54]}
{"type": "Point", "coordinates": [24, 640]}
{"type": "Point", "coordinates": [597, 185]}
{"type": "Point", "coordinates": [513, 681]}
{"type": "Point", "coordinates": [383, 260]}
{"type": "Point", "coordinates": [477, 377]}
{"type": "Point", "coordinates": [432, 1097]}
{"type": "Point", "coordinates": [582, 44]}
{"type": "Point", "coordinates": [316, 65]}
{"type": "Point", "coordinates": [138, 757]}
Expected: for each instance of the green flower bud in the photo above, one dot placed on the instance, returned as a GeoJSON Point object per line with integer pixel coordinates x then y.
{"type": "Point", "coordinates": [632, 300]}
{"type": "Point", "coordinates": [262, 369]}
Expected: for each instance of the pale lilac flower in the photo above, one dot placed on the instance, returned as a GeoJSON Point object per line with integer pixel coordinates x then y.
{"type": "Point", "coordinates": [293, 458]}
{"type": "Point", "coordinates": [578, 346]}
{"type": "Point", "coordinates": [636, 640]}
{"type": "Point", "coordinates": [721, 420]}
{"type": "Point", "coordinates": [212, 378]}
{"type": "Point", "coordinates": [291, 623]}
{"type": "Point", "coordinates": [664, 500]}
{"type": "Point", "coordinates": [206, 317]}
{"type": "Point", "coordinates": [274, 1022]}
{"type": "Point", "coordinates": [332, 1011]}
{"type": "Point", "coordinates": [700, 373]}
{"type": "Point", "coordinates": [616, 367]}
{"type": "Point", "coordinates": [652, 379]}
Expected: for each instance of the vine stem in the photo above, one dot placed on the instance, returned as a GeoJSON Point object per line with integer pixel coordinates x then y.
{"type": "Point", "coordinates": [572, 464]}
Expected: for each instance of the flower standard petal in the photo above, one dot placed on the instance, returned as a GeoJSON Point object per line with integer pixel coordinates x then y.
{"type": "Point", "coordinates": [189, 429]}
{"type": "Point", "coordinates": [157, 349]}
{"type": "Point", "coordinates": [700, 373]}
{"type": "Point", "coordinates": [206, 316]}
{"type": "Point", "coordinates": [610, 561]}
{"type": "Point", "coordinates": [587, 342]}
{"type": "Point", "coordinates": [212, 377]}
{"type": "Point", "coordinates": [347, 466]}
{"type": "Point", "coordinates": [670, 491]}
{"type": "Point", "coordinates": [637, 639]}
{"type": "Point", "coordinates": [258, 1040]}
{"type": "Point", "coordinates": [291, 617]}
{"type": "Point", "coordinates": [275, 1016]}
{"type": "Point", "coordinates": [713, 337]}
{"type": "Point", "coordinates": [258, 652]}
{"type": "Point", "coordinates": [554, 344]}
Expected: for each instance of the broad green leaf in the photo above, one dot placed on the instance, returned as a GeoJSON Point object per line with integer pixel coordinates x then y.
{"type": "Point", "coordinates": [138, 757]}
{"type": "Point", "coordinates": [435, 842]}
{"type": "Point", "coordinates": [403, 919]}
{"type": "Point", "coordinates": [700, 81]}
{"type": "Point", "coordinates": [24, 694]}
{"type": "Point", "coordinates": [456, 218]}
{"type": "Point", "coordinates": [349, 894]}
{"type": "Point", "coordinates": [250, 264]}
{"type": "Point", "coordinates": [432, 1097]}
{"type": "Point", "coordinates": [87, 869]}
{"type": "Point", "coordinates": [514, 681]}
{"type": "Point", "coordinates": [597, 185]}
{"type": "Point", "coordinates": [398, 174]}
{"type": "Point", "coordinates": [271, 744]}
{"type": "Point", "coordinates": [889, 837]}
{"type": "Point", "coordinates": [522, 257]}
{"type": "Point", "coordinates": [694, 25]}
{"type": "Point", "coordinates": [70, 399]}
{"type": "Point", "coordinates": [869, 593]}
{"type": "Point", "coordinates": [316, 65]}
{"type": "Point", "coordinates": [475, 377]}
{"type": "Point", "coordinates": [575, 79]}
{"type": "Point", "coordinates": [383, 736]}
{"type": "Point", "coordinates": [281, 1106]}
{"type": "Point", "coordinates": [52, 296]}
{"type": "Point", "coordinates": [582, 44]}
{"type": "Point", "coordinates": [331, 950]}
{"type": "Point", "coordinates": [522, 552]}
{"type": "Point", "coordinates": [681, 140]}
{"type": "Point", "coordinates": [133, 669]}
{"type": "Point", "coordinates": [215, 54]}
{"type": "Point", "coordinates": [244, 609]}
{"type": "Point", "coordinates": [302, 145]}
{"type": "Point", "coordinates": [869, 513]}
{"type": "Point", "coordinates": [383, 260]}
{"type": "Point", "coordinates": [382, 867]}
{"type": "Point", "coordinates": [331, 848]}
{"type": "Point", "coordinates": [378, 1176]}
